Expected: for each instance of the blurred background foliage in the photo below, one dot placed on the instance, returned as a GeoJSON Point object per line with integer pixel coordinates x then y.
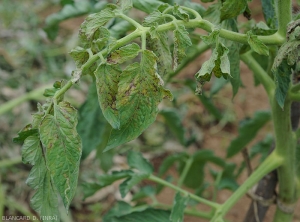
{"type": "Point", "coordinates": [35, 39]}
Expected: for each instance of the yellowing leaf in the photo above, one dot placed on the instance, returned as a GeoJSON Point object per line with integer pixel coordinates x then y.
{"type": "Point", "coordinates": [140, 92]}
{"type": "Point", "coordinates": [107, 79]}
{"type": "Point", "coordinates": [63, 149]}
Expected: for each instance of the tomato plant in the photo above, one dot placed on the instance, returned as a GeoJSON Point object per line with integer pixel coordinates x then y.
{"type": "Point", "coordinates": [131, 64]}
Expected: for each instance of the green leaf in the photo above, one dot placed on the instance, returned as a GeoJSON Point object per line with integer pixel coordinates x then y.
{"type": "Point", "coordinates": [282, 78]}
{"type": "Point", "coordinates": [213, 13]}
{"type": "Point", "coordinates": [92, 126]}
{"type": "Point", "coordinates": [196, 6]}
{"type": "Point", "coordinates": [93, 22]}
{"type": "Point", "coordinates": [140, 91]}
{"type": "Point", "coordinates": [232, 8]}
{"type": "Point", "coordinates": [158, 43]}
{"type": "Point", "coordinates": [182, 14]}
{"type": "Point", "coordinates": [268, 8]}
{"type": "Point", "coordinates": [154, 18]}
{"type": "Point", "coordinates": [149, 214]}
{"type": "Point", "coordinates": [107, 79]}
{"type": "Point", "coordinates": [147, 6]}
{"type": "Point", "coordinates": [137, 161]}
{"type": "Point", "coordinates": [120, 28]}
{"type": "Point", "coordinates": [126, 5]}
{"type": "Point", "coordinates": [121, 208]}
{"type": "Point", "coordinates": [124, 54]}
{"type": "Point", "coordinates": [173, 121]}
{"type": "Point", "coordinates": [31, 149]}
{"type": "Point", "coordinates": [262, 147]}
{"type": "Point", "coordinates": [126, 186]}
{"type": "Point", "coordinates": [44, 201]}
{"type": "Point", "coordinates": [177, 213]}
{"type": "Point", "coordinates": [170, 161]}
{"type": "Point", "coordinates": [24, 133]}
{"type": "Point", "coordinates": [146, 191]}
{"type": "Point", "coordinates": [63, 149]}
{"type": "Point", "coordinates": [247, 131]}
{"type": "Point", "coordinates": [181, 42]}
{"type": "Point", "coordinates": [80, 56]}
{"type": "Point", "coordinates": [257, 45]}
{"type": "Point", "coordinates": [105, 180]}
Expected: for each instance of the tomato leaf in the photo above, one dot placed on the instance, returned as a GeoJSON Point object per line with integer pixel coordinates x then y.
{"type": "Point", "coordinates": [137, 161]}
{"type": "Point", "coordinates": [107, 79]}
{"type": "Point", "coordinates": [257, 45]}
{"type": "Point", "coordinates": [124, 53]}
{"type": "Point", "coordinates": [140, 91]}
{"type": "Point", "coordinates": [126, 186]}
{"type": "Point", "coordinates": [182, 14]}
{"type": "Point", "coordinates": [177, 213]}
{"type": "Point", "coordinates": [232, 8]}
{"type": "Point", "coordinates": [147, 6]}
{"type": "Point", "coordinates": [181, 42]}
{"type": "Point", "coordinates": [63, 149]}
{"type": "Point", "coordinates": [247, 131]}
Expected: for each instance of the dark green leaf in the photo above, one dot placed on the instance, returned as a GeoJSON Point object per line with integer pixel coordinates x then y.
{"type": "Point", "coordinates": [107, 79]}
{"type": "Point", "coordinates": [262, 147]}
{"type": "Point", "coordinates": [92, 126]}
{"type": "Point", "coordinates": [173, 121]}
{"type": "Point", "coordinates": [247, 131]}
{"type": "Point", "coordinates": [268, 8]}
{"type": "Point", "coordinates": [232, 8]}
{"type": "Point", "coordinates": [146, 191]}
{"type": "Point", "coordinates": [121, 208]}
{"type": "Point", "coordinates": [182, 14]}
{"type": "Point", "coordinates": [257, 45]}
{"type": "Point", "coordinates": [217, 85]}
{"type": "Point", "coordinates": [282, 77]}
{"type": "Point", "coordinates": [105, 180]}
{"type": "Point", "coordinates": [262, 29]}
{"type": "Point", "coordinates": [137, 161]}
{"type": "Point", "coordinates": [147, 6]}
{"type": "Point", "coordinates": [179, 205]}
{"type": "Point", "coordinates": [124, 53]}
{"type": "Point", "coordinates": [120, 28]}
{"type": "Point", "coordinates": [149, 214]}
{"type": "Point", "coordinates": [181, 42]}
{"type": "Point", "coordinates": [63, 149]}
{"type": "Point", "coordinates": [140, 91]}
{"type": "Point", "coordinates": [171, 160]}
{"type": "Point", "coordinates": [24, 133]}
{"type": "Point", "coordinates": [126, 186]}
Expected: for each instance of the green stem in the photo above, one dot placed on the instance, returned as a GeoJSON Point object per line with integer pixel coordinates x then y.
{"type": "Point", "coordinates": [192, 212]}
{"type": "Point", "coordinates": [184, 192]}
{"type": "Point", "coordinates": [285, 140]}
{"type": "Point", "coordinates": [130, 20]}
{"type": "Point", "coordinates": [260, 73]}
{"type": "Point", "coordinates": [195, 13]}
{"type": "Point", "coordinates": [35, 94]}
{"type": "Point", "coordinates": [185, 171]}
{"type": "Point", "coordinates": [10, 162]}
{"type": "Point", "coordinates": [284, 15]}
{"type": "Point", "coordinates": [294, 96]}
{"type": "Point", "coordinates": [272, 162]}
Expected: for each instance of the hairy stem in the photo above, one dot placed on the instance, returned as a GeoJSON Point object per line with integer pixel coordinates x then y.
{"type": "Point", "coordinates": [284, 15]}
{"type": "Point", "coordinates": [184, 192]}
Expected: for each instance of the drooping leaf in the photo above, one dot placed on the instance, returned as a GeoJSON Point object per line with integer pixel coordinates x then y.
{"type": "Point", "coordinates": [147, 6]}
{"type": "Point", "coordinates": [179, 205]}
{"type": "Point", "coordinates": [124, 53]}
{"type": "Point", "coordinates": [182, 14]}
{"type": "Point", "coordinates": [137, 161]}
{"type": "Point", "coordinates": [92, 125]}
{"type": "Point", "coordinates": [247, 131]}
{"type": "Point", "coordinates": [105, 180]}
{"type": "Point", "coordinates": [139, 93]}
{"type": "Point", "coordinates": [181, 42]}
{"type": "Point", "coordinates": [282, 77]}
{"type": "Point", "coordinates": [126, 186]}
{"type": "Point", "coordinates": [288, 51]}
{"type": "Point", "coordinates": [107, 79]}
{"type": "Point", "coordinates": [158, 43]}
{"type": "Point", "coordinates": [170, 160]}
{"type": "Point", "coordinates": [44, 201]}
{"type": "Point", "coordinates": [262, 29]}
{"type": "Point", "coordinates": [232, 8]}
{"type": "Point", "coordinates": [93, 22]}
{"type": "Point", "coordinates": [257, 45]}
{"type": "Point", "coordinates": [63, 149]}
